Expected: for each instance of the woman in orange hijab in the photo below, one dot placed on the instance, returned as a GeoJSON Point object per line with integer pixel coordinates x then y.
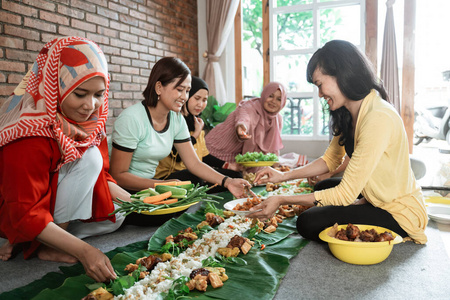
{"type": "Point", "coordinates": [54, 183]}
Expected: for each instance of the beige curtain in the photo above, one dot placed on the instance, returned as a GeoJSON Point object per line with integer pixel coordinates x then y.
{"type": "Point", "coordinates": [219, 21]}
{"type": "Point", "coordinates": [389, 65]}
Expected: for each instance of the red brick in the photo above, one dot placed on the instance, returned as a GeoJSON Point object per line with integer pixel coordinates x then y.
{"type": "Point", "coordinates": [41, 4]}
{"type": "Point", "coordinates": [119, 8]}
{"type": "Point", "coordinates": [146, 42]}
{"type": "Point", "coordinates": [120, 60]}
{"type": "Point", "coordinates": [155, 51]}
{"type": "Point", "coordinates": [121, 77]}
{"type": "Point", "coordinates": [54, 18]}
{"type": "Point", "coordinates": [1, 53]}
{"type": "Point", "coordinates": [138, 15]}
{"type": "Point", "coordinates": [12, 66]}
{"type": "Point", "coordinates": [13, 54]}
{"type": "Point", "coordinates": [108, 13]}
{"type": "Point", "coordinates": [83, 5]}
{"type": "Point", "coordinates": [122, 95]}
{"type": "Point", "coordinates": [34, 46]}
{"type": "Point", "coordinates": [120, 44]}
{"type": "Point", "coordinates": [128, 37]}
{"type": "Point", "coordinates": [127, 53]}
{"type": "Point", "coordinates": [15, 78]}
{"type": "Point", "coordinates": [139, 48]}
{"type": "Point", "coordinates": [147, 57]}
{"type": "Point", "coordinates": [139, 32]}
{"type": "Point", "coordinates": [129, 70]}
{"type": "Point", "coordinates": [146, 26]}
{"type": "Point", "coordinates": [97, 19]}
{"type": "Point", "coordinates": [108, 32]}
{"type": "Point", "coordinates": [48, 37]}
{"type": "Point", "coordinates": [131, 4]}
{"type": "Point", "coordinates": [115, 104]}
{"type": "Point", "coordinates": [71, 32]}
{"type": "Point", "coordinates": [21, 32]}
{"type": "Point", "coordinates": [128, 20]}
{"type": "Point", "coordinates": [69, 11]}
{"type": "Point", "coordinates": [131, 87]}
{"type": "Point", "coordinates": [11, 42]}
{"type": "Point", "coordinates": [2, 77]}
{"type": "Point", "coordinates": [7, 90]}
{"type": "Point", "coordinates": [20, 9]}
{"type": "Point", "coordinates": [10, 18]}
{"type": "Point", "coordinates": [119, 26]}
{"type": "Point", "coordinates": [37, 24]}
{"type": "Point", "coordinates": [162, 46]}
{"type": "Point", "coordinates": [84, 25]}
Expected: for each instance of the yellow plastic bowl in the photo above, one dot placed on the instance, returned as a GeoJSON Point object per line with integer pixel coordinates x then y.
{"type": "Point", "coordinates": [360, 253]}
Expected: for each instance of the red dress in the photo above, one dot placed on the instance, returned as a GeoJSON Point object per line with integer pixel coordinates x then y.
{"type": "Point", "coordinates": [28, 185]}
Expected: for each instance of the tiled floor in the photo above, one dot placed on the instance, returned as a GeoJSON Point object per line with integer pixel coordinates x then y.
{"type": "Point", "coordinates": [438, 173]}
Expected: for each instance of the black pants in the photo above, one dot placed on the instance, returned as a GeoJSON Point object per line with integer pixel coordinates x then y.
{"type": "Point", "coordinates": [311, 222]}
{"type": "Point", "coordinates": [185, 175]}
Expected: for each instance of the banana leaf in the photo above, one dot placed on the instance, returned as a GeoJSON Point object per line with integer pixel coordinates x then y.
{"type": "Point", "coordinates": [259, 279]}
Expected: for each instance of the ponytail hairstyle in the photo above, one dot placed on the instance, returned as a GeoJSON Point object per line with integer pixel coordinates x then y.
{"type": "Point", "coordinates": [354, 75]}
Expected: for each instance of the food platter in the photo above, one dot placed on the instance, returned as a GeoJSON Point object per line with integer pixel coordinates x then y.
{"type": "Point", "coordinates": [257, 163]}
{"type": "Point", "coordinates": [439, 213]}
{"type": "Point", "coordinates": [166, 211]}
{"type": "Point", "coordinates": [232, 204]}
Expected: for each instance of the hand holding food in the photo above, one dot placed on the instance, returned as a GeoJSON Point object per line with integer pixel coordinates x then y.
{"type": "Point", "coordinates": [268, 206]}
{"type": "Point", "coordinates": [268, 174]}
{"type": "Point", "coordinates": [238, 187]}
{"type": "Point", "coordinates": [97, 264]}
{"type": "Point", "coordinates": [242, 133]}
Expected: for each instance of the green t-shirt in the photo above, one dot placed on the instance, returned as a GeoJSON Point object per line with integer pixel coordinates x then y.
{"type": "Point", "coordinates": [133, 132]}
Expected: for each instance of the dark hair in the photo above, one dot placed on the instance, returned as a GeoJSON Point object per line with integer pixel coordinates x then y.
{"type": "Point", "coordinates": [166, 70]}
{"type": "Point", "coordinates": [354, 75]}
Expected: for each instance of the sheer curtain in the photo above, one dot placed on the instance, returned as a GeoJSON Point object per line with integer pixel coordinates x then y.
{"type": "Point", "coordinates": [219, 21]}
{"type": "Point", "coordinates": [389, 65]}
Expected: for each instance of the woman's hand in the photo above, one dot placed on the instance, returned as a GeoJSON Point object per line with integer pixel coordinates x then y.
{"type": "Point", "coordinates": [235, 167]}
{"type": "Point", "coordinates": [241, 131]}
{"type": "Point", "coordinates": [199, 124]}
{"type": "Point", "coordinates": [97, 265]}
{"type": "Point", "coordinates": [238, 187]}
{"type": "Point", "coordinates": [315, 179]}
{"type": "Point", "coordinates": [268, 206]}
{"type": "Point", "coordinates": [268, 174]}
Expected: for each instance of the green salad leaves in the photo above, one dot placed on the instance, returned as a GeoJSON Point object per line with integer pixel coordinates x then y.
{"type": "Point", "coordinates": [256, 156]}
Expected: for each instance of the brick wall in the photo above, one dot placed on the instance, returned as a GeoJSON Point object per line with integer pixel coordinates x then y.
{"type": "Point", "coordinates": [133, 34]}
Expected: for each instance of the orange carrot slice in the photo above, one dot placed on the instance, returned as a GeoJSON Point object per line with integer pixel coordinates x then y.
{"type": "Point", "coordinates": [157, 198]}
{"type": "Point", "coordinates": [172, 183]}
{"type": "Point", "coordinates": [168, 201]}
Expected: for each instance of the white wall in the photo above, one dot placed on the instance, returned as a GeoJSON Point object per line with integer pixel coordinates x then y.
{"type": "Point", "coordinates": [312, 149]}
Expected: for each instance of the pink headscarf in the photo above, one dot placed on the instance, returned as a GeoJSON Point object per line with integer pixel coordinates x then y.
{"type": "Point", "coordinates": [33, 109]}
{"type": "Point", "coordinates": [264, 127]}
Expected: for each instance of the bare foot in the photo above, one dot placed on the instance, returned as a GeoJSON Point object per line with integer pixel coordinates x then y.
{"type": "Point", "coordinates": [51, 254]}
{"type": "Point", "coordinates": [6, 251]}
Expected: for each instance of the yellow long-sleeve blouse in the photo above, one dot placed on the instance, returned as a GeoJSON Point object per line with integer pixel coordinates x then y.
{"type": "Point", "coordinates": [379, 168]}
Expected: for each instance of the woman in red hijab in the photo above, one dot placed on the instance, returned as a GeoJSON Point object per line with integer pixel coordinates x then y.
{"type": "Point", "coordinates": [255, 126]}
{"type": "Point", "coordinates": [54, 183]}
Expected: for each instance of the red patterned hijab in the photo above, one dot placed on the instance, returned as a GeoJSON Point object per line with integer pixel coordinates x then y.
{"type": "Point", "coordinates": [34, 107]}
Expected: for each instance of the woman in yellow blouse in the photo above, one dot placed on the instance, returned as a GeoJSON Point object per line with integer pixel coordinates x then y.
{"type": "Point", "coordinates": [369, 130]}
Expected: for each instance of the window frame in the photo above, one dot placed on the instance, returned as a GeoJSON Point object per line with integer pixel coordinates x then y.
{"type": "Point", "coordinates": [315, 7]}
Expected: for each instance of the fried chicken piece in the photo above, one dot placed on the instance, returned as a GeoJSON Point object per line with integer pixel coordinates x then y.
{"type": "Point", "coordinates": [270, 229]}
{"type": "Point", "coordinates": [99, 294]}
{"type": "Point", "coordinates": [213, 219]}
{"type": "Point", "coordinates": [368, 235]}
{"type": "Point", "coordinates": [199, 282]}
{"type": "Point", "coordinates": [131, 268]}
{"type": "Point", "coordinates": [383, 237]}
{"type": "Point", "coordinates": [148, 262]}
{"type": "Point", "coordinates": [219, 271]}
{"type": "Point", "coordinates": [236, 241]}
{"type": "Point", "coordinates": [229, 252]}
{"type": "Point", "coordinates": [352, 231]}
{"type": "Point", "coordinates": [228, 213]}
{"type": "Point", "coordinates": [214, 279]}
{"type": "Point", "coordinates": [342, 235]}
